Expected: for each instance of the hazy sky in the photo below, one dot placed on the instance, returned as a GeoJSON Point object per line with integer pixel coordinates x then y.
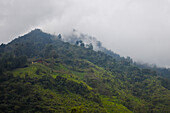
{"type": "Point", "coordinates": [136, 28]}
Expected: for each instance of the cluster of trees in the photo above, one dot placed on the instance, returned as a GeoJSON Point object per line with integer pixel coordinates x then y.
{"type": "Point", "coordinates": [46, 94]}
{"type": "Point", "coordinates": [81, 44]}
{"type": "Point", "coordinates": [10, 62]}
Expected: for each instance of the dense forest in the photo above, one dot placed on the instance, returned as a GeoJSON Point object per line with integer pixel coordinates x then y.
{"type": "Point", "coordinates": [40, 72]}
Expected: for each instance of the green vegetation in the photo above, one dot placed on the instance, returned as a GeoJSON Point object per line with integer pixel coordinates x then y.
{"type": "Point", "coordinates": [41, 73]}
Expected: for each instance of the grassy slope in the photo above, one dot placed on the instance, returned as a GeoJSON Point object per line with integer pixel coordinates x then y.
{"type": "Point", "coordinates": [38, 71]}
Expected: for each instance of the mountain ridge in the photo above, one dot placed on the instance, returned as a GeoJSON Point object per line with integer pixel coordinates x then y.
{"type": "Point", "coordinates": [68, 69]}
{"type": "Point", "coordinates": [97, 46]}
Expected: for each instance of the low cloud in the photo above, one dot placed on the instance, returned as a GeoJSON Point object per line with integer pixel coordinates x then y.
{"type": "Point", "coordinates": [135, 28]}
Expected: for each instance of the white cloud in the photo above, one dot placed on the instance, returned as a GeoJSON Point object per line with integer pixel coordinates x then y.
{"type": "Point", "coordinates": [136, 28]}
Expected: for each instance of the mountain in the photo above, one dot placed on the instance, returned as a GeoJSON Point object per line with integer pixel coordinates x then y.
{"type": "Point", "coordinates": [87, 40]}
{"type": "Point", "coordinates": [39, 72]}
{"type": "Point", "coordinates": [75, 37]}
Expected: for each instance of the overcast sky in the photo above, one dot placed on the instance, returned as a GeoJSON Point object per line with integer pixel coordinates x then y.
{"type": "Point", "coordinates": [136, 28]}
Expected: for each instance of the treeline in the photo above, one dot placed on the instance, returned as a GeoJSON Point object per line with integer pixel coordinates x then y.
{"type": "Point", "coordinates": [9, 62]}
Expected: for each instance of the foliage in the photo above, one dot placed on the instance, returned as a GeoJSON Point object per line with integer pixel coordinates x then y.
{"type": "Point", "coordinates": [73, 78]}
{"type": "Point", "coordinates": [10, 62]}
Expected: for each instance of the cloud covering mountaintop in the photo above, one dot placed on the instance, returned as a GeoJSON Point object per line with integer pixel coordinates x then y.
{"type": "Point", "coordinates": [135, 28]}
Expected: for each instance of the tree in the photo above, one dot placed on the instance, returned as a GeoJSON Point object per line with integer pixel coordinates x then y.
{"type": "Point", "coordinates": [82, 45]}
{"type": "Point", "coordinates": [53, 54]}
{"type": "Point", "coordinates": [59, 36]}
{"type": "Point", "coordinates": [90, 46]}
{"type": "Point", "coordinates": [99, 44]}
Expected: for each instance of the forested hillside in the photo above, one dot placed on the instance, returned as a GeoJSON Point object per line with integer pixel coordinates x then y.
{"type": "Point", "coordinates": [40, 72]}
{"type": "Point", "coordinates": [87, 41]}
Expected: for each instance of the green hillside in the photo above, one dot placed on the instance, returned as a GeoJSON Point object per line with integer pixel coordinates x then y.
{"type": "Point", "coordinates": [41, 73]}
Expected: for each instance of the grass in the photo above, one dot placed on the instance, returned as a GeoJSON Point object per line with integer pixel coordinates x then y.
{"type": "Point", "coordinates": [32, 71]}
{"type": "Point", "coordinates": [113, 107]}
{"type": "Point", "coordinates": [71, 101]}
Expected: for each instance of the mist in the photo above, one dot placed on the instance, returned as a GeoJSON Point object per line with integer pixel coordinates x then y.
{"type": "Point", "coordinates": [135, 28]}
